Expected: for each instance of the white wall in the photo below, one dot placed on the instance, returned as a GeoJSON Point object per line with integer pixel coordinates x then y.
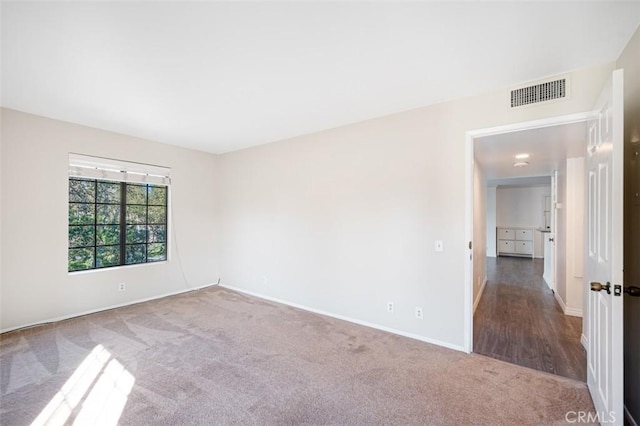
{"type": "Point", "coordinates": [342, 221]}
{"type": "Point", "coordinates": [34, 280]}
{"type": "Point", "coordinates": [575, 215]}
{"type": "Point", "coordinates": [570, 236]}
{"type": "Point", "coordinates": [491, 221]}
{"type": "Point", "coordinates": [561, 234]}
{"type": "Point", "coordinates": [523, 207]}
{"type": "Point", "coordinates": [479, 232]}
{"type": "Point", "coordinates": [345, 220]}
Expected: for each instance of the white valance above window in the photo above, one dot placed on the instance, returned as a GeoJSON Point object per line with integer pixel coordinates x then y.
{"type": "Point", "coordinates": [84, 166]}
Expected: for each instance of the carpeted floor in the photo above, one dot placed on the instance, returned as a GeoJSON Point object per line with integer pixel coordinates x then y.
{"type": "Point", "coordinates": [215, 356]}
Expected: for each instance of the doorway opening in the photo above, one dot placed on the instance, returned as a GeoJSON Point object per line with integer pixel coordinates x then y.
{"type": "Point", "coordinates": [527, 223]}
{"type": "Point", "coordinates": [518, 320]}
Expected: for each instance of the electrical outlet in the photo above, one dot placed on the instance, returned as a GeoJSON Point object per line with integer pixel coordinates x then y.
{"type": "Point", "coordinates": [439, 246]}
{"type": "Point", "coordinates": [121, 287]}
{"type": "Point", "coordinates": [419, 313]}
{"type": "Point", "coordinates": [390, 307]}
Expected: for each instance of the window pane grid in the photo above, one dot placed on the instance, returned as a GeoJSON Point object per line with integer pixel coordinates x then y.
{"type": "Point", "coordinates": [106, 204]}
{"type": "Point", "coordinates": [114, 224]}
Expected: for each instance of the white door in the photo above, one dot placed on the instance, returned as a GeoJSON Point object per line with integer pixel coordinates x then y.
{"type": "Point", "coordinates": [604, 254]}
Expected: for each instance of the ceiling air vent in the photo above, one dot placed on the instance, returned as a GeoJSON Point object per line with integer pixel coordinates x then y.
{"type": "Point", "coordinates": [543, 92]}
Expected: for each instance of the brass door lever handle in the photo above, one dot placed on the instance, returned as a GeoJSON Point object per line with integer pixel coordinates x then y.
{"type": "Point", "coordinates": [596, 286]}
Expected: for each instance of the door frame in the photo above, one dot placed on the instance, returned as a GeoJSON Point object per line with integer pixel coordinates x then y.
{"type": "Point", "coordinates": [470, 136]}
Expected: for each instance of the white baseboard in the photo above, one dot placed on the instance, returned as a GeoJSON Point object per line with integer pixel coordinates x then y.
{"type": "Point", "coordinates": [560, 301]}
{"type": "Point", "coordinates": [477, 301]}
{"type": "Point", "coordinates": [629, 417]}
{"type": "Point", "coordinates": [93, 311]}
{"type": "Point", "coordinates": [573, 312]}
{"type": "Point", "coordinates": [584, 341]}
{"type": "Point", "coordinates": [565, 309]}
{"type": "Point", "coordinates": [345, 318]}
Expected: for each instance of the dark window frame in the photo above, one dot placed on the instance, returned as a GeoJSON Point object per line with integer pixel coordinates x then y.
{"type": "Point", "coordinates": [125, 247]}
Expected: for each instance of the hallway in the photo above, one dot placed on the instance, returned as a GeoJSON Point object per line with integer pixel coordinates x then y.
{"type": "Point", "coordinates": [519, 321]}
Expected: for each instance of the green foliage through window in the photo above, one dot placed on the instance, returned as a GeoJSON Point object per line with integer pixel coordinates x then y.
{"type": "Point", "coordinates": [115, 223]}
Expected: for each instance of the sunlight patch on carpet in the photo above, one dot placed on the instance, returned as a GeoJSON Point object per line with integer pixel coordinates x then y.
{"type": "Point", "coordinates": [102, 382]}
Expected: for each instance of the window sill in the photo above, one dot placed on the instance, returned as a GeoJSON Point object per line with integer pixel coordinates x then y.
{"type": "Point", "coordinates": [118, 268]}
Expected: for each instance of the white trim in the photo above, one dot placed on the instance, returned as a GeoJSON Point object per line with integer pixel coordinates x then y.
{"type": "Point", "coordinates": [616, 359]}
{"type": "Point", "coordinates": [560, 301]}
{"type": "Point", "coordinates": [584, 341]}
{"type": "Point", "coordinates": [115, 268]}
{"type": "Point", "coordinates": [565, 309]}
{"type": "Point", "coordinates": [479, 296]}
{"type": "Point", "coordinates": [469, 137]}
{"type": "Point", "coordinates": [468, 252]}
{"type": "Point", "coordinates": [530, 125]}
{"type": "Point", "coordinates": [344, 318]}
{"type": "Point", "coordinates": [87, 166]}
{"type": "Point", "coordinates": [107, 308]}
{"type": "Point", "coordinates": [573, 312]}
{"type": "Point", "coordinates": [629, 417]}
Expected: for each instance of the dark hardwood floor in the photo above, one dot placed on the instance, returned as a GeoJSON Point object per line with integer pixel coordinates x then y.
{"type": "Point", "coordinates": [519, 321]}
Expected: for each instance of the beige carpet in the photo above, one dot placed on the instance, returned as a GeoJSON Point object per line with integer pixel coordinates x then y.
{"type": "Point", "coordinates": [215, 356]}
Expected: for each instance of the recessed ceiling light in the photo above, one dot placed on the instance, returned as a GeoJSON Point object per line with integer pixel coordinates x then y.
{"type": "Point", "coordinates": [520, 163]}
{"type": "Point", "coordinates": [522, 156]}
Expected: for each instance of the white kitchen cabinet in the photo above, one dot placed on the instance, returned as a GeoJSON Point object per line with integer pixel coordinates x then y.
{"type": "Point", "coordinates": [515, 241]}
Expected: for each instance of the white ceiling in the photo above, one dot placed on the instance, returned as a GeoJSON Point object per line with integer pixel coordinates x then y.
{"type": "Point", "coordinates": [227, 75]}
{"type": "Point", "coordinates": [548, 148]}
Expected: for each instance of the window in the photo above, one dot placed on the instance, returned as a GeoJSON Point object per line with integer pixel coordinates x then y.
{"type": "Point", "coordinates": [115, 223]}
